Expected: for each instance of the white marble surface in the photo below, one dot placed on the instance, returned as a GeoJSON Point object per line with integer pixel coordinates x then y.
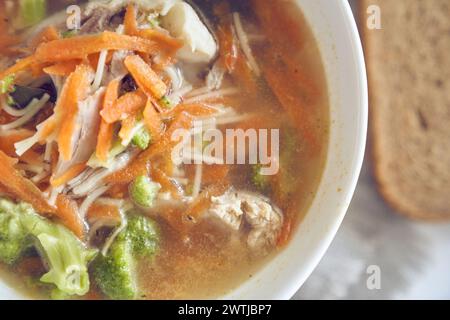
{"type": "Point", "coordinates": [413, 257]}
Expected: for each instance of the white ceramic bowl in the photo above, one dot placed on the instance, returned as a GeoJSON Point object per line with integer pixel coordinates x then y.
{"type": "Point", "coordinates": [335, 29]}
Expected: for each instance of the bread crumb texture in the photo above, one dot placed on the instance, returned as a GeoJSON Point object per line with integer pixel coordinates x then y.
{"type": "Point", "coordinates": [409, 78]}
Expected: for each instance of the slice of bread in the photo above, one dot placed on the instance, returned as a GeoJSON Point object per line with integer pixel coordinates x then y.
{"type": "Point", "coordinates": [409, 83]}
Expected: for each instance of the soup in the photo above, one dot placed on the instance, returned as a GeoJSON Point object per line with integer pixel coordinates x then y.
{"type": "Point", "coordinates": [154, 149]}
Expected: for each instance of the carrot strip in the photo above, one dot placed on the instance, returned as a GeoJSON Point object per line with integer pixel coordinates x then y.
{"type": "Point", "coordinates": [281, 27]}
{"type": "Point", "coordinates": [20, 65]}
{"type": "Point", "coordinates": [69, 216]}
{"type": "Point", "coordinates": [166, 183]}
{"type": "Point", "coordinates": [140, 165]}
{"type": "Point", "coordinates": [99, 211]}
{"type": "Point", "coordinates": [169, 43]}
{"type": "Point", "coordinates": [106, 131]}
{"type": "Point", "coordinates": [7, 141]}
{"type": "Point", "coordinates": [77, 88]}
{"type": "Point", "coordinates": [127, 104]}
{"type": "Point", "coordinates": [7, 146]}
{"type": "Point", "coordinates": [147, 79]}
{"type": "Point", "coordinates": [68, 175]}
{"type": "Point", "coordinates": [152, 120]}
{"type": "Point", "coordinates": [228, 47]}
{"type": "Point", "coordinates": [130, 22]}
{"type": "Point", "coordinates": [286, 230]}
{"type": "Point", "coordinates": [82, 46]}
{"type": "Point", "coordinates": [290, 97]}
{"type": "Point", "coordinates": [62, 68]}
{"type": "Point", "coordinates": [21, 187]}
{"type": "Point", "coordinates": [127, 126]}
{"type": "Point", "coordinates": [195, 110]}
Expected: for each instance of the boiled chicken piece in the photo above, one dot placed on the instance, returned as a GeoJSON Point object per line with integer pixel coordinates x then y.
{"type": "Point", "coordinates": [251, 213]}
{"type": "Point", "coordinates": [228, 209]}
{"type": "Point", "coordinates": [184, 23]}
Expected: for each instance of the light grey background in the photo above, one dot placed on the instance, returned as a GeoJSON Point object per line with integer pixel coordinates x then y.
{"type": "Point", "coordinates": [414, 257]}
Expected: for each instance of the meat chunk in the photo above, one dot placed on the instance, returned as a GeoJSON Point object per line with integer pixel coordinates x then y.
{"type": "Point", "coordinates": [251, 214]}
{"type": "Point", "coordinates": [185, 24]}
{"type": "Point", "coordinates": [228, 209]}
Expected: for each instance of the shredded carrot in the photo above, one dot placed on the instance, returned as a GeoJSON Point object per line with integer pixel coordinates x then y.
{"type": "Point", "coordinates": [54, 158]}
{"type": "Point", "coordinates": [68, 175]}
{"type": "Point", "coordinates": [147, 79]}
{"type": "Point", "coordinates": [281, 27]}
{"type": "Point", "coordinates": [69, 216]}
{"type": "Point", "coordinates": [77, 88]}
{"type": "Point", "coordinates": [290, 97]}
{"type": "Point", "coordinates": [152, 120]}
{"type": "Point", "coordinates": [194, 109]}
{"type": "Point", "coordinates": [62, 68]}
{"type": "Point", "coordinates": [106, 131]}
{"type": "Point", "coordinates": [19, 66]}
{"type": "Point", "coordinates": [168, 43]}
{"type": "Point", "coordinates": [82, 46]}
{"type": "Point", "coordinates": [127, 104]}
{"type": "Point", "coordinates": [228, 46]}
{"type": "Point", "coordinates": [99, 211]}
{"type": "Point", "coordinates": [127, 126]}
{"type": "Point", "coordinates": [130, 22]}
{"type": "Point", "coordinates": [286, 230]}
{"type": "Point", "coordinates": [47, 34]}
{"type": "Point", "coordinates": [140, 165]}
{"type": "Point", "coordinates": [166, 183]}
{"type": "Point", "coordinates": [21, 187]}
{"type": "Point", "coordinates": [7, 141]}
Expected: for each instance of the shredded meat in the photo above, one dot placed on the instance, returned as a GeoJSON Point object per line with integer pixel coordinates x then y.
{"type": "Point", "coordinates": [251, 214]}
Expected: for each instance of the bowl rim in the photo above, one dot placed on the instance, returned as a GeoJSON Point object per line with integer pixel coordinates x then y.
{"type": "Point", "coordinates": [361, 78]}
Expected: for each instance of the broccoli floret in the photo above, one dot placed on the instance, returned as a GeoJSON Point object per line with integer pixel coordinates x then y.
{"type": "Point", "coordinates": [115, 272]}
{"type": "Point", "coordinates": [142, 139]}
{"type": "Point", "coordinates": [260, 181]}
{"type": "Point", "coordinates": [144, 191]}
{"type": "Point", "coordinates": [14, 239]}
{"type": "Point", "coordinates": [143, 235]}
{"type": "Point", "coordinates": [66, 257]}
